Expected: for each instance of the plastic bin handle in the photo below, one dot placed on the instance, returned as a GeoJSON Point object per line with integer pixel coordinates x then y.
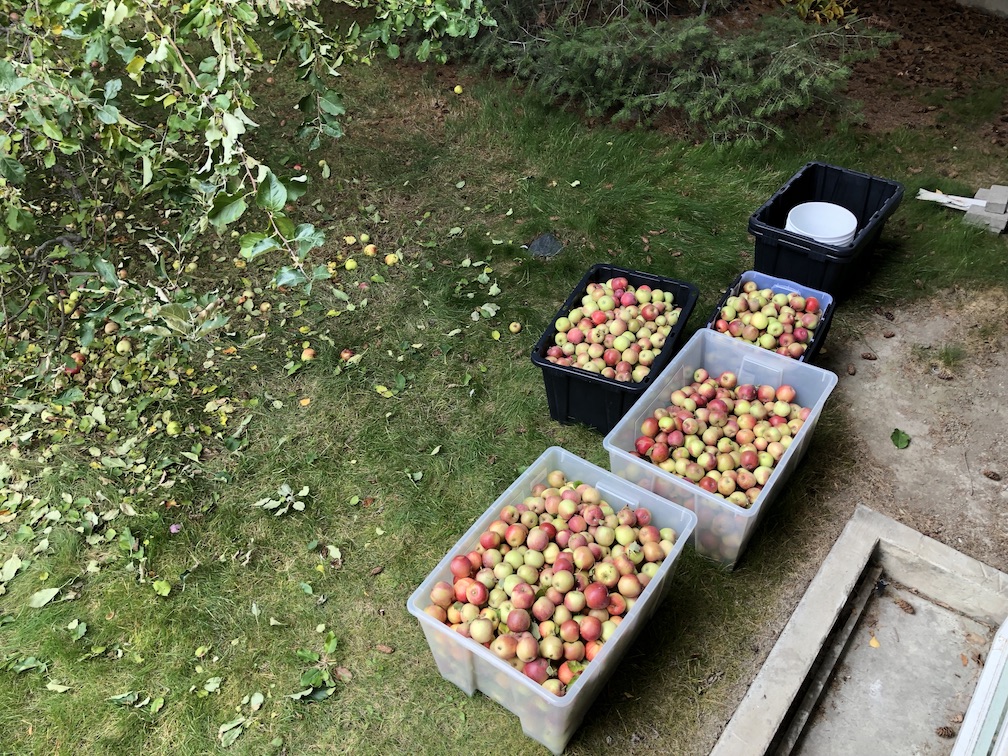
{"type": "Point", "coordinates": [754, 370]}
{"type": "Point", "coordinates": [610, 492]}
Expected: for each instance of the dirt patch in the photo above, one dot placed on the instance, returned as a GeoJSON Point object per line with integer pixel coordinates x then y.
{"type": "Point", "coordinates": [936, 370]}
{"type": "Point", "coordinates": [946, 51]}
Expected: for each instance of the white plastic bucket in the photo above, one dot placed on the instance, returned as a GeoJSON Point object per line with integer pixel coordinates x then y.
{"type": "Point", "coordinates": [825, 222]}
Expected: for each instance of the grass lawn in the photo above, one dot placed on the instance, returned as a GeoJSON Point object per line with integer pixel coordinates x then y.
{"type": "Point", "coordinates": [187, 619]}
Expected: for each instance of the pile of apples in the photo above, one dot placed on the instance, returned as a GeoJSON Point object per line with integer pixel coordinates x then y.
{"type": "Point", "coordinates": [551, 579]}
{"type": "Point", "coordinates": [725, 437]}
{"type": "Point", "coordinates": [618, 331]}
{"type": "Point", "coordinates": [783, 322]}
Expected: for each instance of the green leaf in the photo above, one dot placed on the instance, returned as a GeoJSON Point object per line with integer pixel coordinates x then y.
{"type": "Point", "coordinates": [227, 208]}
{"type": "Point", "coordinates": [330, 643]}
{"type": "Point", "coordinates": [128, 698]}
{"type": "Point", "coordinates": [43, 597]}
{"type": "Point", "coordinates": [271, 195]}
{"type": "Point", "coordinates": [229, 731]}
{"type": "Point", "coordinates": [55, 687]}
{"type": "Point", "coordinates": [900, 439]}
{"type": "Point", "coordinates": [52, 130]}
{"type": "Point", "coordinates": [28, 664]}
{"type": "Point", "coordinates": [296, 187]}
{"type": "Point", "coordinates": [107, 114]}
{"type": "Point", "coordinates": [331, 103]}
{"type": "Point", "coordinates": [107, 272]}
{"type": "Point", "coordinates": [11, 170]}
{"type": "Point", "coordinates": [288, 276]}
{"type": "Point", "coordinates": [255, 243]}
{"type": "Point", "coordinates": [162, 587]}
{"type": "Point", "coordinates": [10, 568]}
{"type": "Point", "coordinates": [112, 88]}
{"type": "Point", "coordinates": [393, 51]}
{"type": "Point", "coordinates": [213, 684]}
{"type": "Point", "coordinates": [423, 52]}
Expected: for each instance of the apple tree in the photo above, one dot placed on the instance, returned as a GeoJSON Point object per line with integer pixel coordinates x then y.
{"type": "Point", "coordinates": [145, 106]}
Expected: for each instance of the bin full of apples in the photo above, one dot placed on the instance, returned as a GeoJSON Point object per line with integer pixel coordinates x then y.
{"type": "Point", "coordinates": [725, 437]}
{"type": "Point", "coordinates": [720, 432]}
{"type": "Point", "coordinates": [538, 601]}
{"type": "Point", "coordinates": [774, 314]}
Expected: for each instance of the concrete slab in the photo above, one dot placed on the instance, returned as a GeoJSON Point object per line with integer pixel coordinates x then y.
{"type": "Point", "coordinates": [997, 200]}
{"type": "Point", "coordinates": [901, 679]}
{"type": "Point", "coordinates": [966, 591]}
{"type": "Point", "coordinates": [977, 215]}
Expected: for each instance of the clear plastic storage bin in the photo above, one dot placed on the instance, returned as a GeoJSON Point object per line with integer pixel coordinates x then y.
{"type": "Point", "coordinates": [545, 717]}
{"type": "Point", "coordinates": [723, 528]}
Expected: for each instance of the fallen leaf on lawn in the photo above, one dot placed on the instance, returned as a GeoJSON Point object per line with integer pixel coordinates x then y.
{"type": "Point", "coordinates": [305, 402]}
{"type": "Point", "coordinates": [55, 687]}
{"type": "Point", "coordinates": [12, 565]}
{"type": "Point", "coordinates": [874, 642]}
{"type": "Point", "coordinates": [385, 649]}
{"type": "Point", "coordinates": [125, 699]}
{"type": "Point", "coordinates": [43, 597]}
{"type": "Point", "coordinates": [377, 570]}
{"type": "Point", "coordinates": [343, 674]}
{"type": "Point", "coordinates": [229, 731]}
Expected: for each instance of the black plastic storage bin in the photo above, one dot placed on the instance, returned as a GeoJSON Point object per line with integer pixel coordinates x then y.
{"type": "Point", "coordinates": [783, 286]}
{"type": "Point", "coordinates": [802, 259]}
{"type": "Point", "coordinates": [578, 396]}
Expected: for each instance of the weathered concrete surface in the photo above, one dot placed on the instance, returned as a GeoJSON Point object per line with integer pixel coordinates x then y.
{"type": "Point", "coordinates": [901, 679]}
{"type": "Point", "coordinates": [999, 7]}
{"type": "Point", "coordinates": [959, 600]}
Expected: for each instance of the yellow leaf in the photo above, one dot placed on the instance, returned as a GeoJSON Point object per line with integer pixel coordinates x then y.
{"type": "Point", "coordinates": [305, 402]}
{"type": "Point", "coordinates": [135, 66]}
{"type": "Point", "coordinates": [496, 335]}
{"type": "Point", "coordinates": [874, 642]}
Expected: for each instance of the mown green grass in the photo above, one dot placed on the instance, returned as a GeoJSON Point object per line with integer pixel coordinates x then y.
{"type": "Point", "coordinates": [395, 481]}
